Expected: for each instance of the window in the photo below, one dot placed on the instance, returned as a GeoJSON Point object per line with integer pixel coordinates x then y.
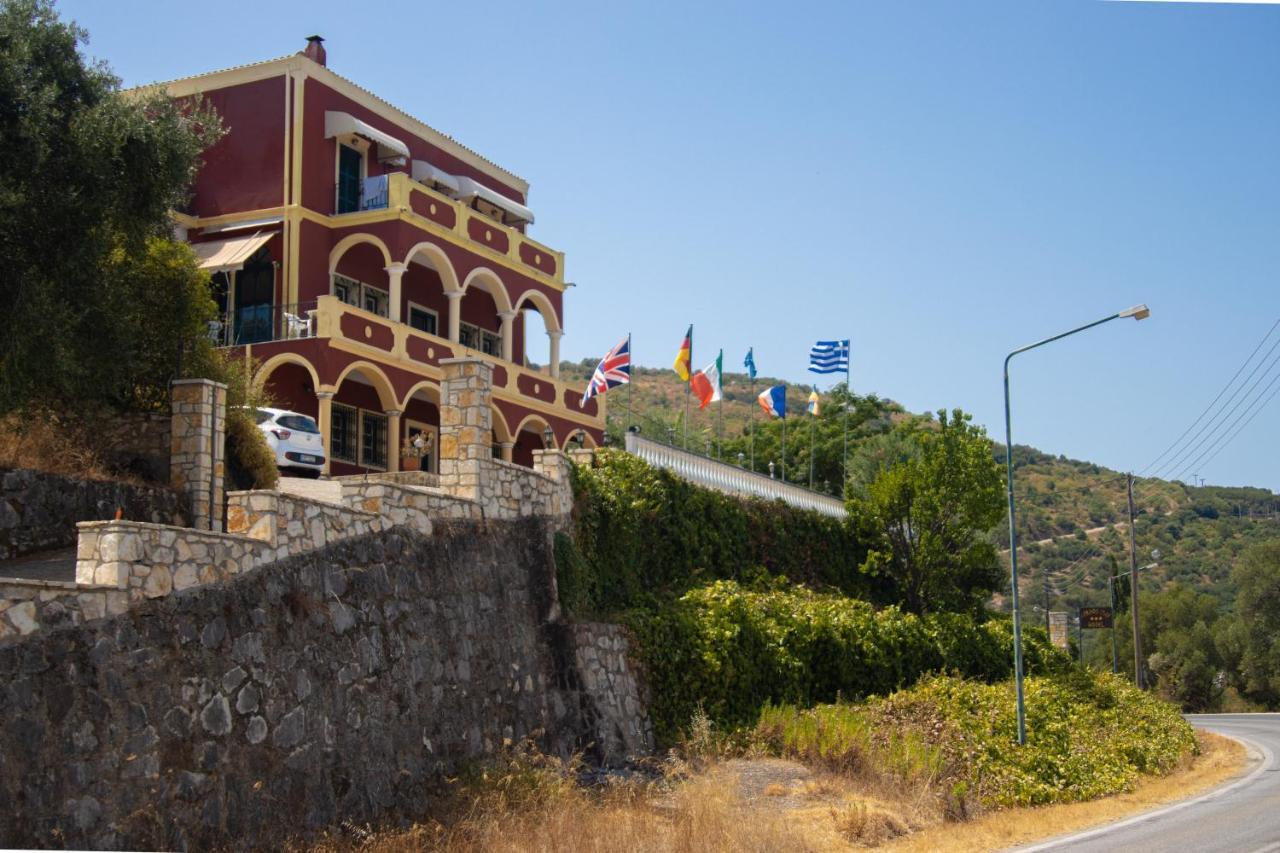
{"type": "Point", "coordinates": [361, 295]}
{"type": "Point", "coordinates": [343, 431]}
{"type": "Point", "coordinates": [489, 343]}
{"type": "Point", "coordinates": [423, 319]}
{"type": "Point", "coordinates": [373, 440]}
{"type": "Point", "coordinates": [350, 176]}
{"type": "Point", "coordinates": [298, 423]}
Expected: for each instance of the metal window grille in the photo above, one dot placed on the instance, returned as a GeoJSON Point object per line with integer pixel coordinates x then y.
{"type": "Point", "coordinates": [343, 431]}
{"type": "Point", "coordinates": [373, 440]}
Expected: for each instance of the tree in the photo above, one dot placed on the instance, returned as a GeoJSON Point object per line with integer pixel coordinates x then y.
{"type": "Point", "coordinates": [88, 176]}
{"type": "Point", "coordinates": [924, 517]}
{"type": "Point", "coordinates": [1257, 578]}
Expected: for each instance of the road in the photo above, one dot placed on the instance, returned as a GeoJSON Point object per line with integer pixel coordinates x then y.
{"type": "Point", "coordinates": [1242, 816]}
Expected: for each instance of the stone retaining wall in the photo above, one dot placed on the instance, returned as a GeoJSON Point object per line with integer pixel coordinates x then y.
{"type": "Point", "coordinates": [39, 511]}
{"type": "Point", "coordinates": [29, 605]}
{"type": "Point", "coordinates": [617, 699]}
{"type": "Point", "coordinates": [293, 524]}
{"type": "Point", "coordinates": [344, 684]}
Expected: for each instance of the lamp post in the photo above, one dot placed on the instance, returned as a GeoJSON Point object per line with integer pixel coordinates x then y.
{"type": "Point", "coordinates": [1137, 312]}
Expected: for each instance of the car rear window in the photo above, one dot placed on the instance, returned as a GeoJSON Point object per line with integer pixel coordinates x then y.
{"type": "Point", "coordinates": [298, 423]}
{"type": "Point", "coordinates": [260, 416]}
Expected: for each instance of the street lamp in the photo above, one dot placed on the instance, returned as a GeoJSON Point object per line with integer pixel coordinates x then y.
{"type": "Point", "coordinates": [1137, 312]}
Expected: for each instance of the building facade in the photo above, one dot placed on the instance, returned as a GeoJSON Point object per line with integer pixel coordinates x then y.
{"type": "Point", "coordinates": [353, 248]}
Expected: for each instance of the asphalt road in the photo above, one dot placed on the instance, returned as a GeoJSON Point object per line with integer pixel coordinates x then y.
{"type": "Point", "coordinates": [1242, 816]}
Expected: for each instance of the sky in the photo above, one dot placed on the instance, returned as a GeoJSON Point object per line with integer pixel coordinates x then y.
{"type": "Point", "coordinates": [941, 182]}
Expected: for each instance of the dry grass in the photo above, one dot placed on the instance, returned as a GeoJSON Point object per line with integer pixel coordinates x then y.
{"type": "Point", "coordinates": [536, 806]}
{"type": "Point", "coordinates": [43, 440]}
{"type": "Point", "coordinates": [1220, 759]}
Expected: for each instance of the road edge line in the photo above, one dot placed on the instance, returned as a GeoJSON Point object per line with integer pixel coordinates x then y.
{"type": "Point", "coordinates": [1268, 757]}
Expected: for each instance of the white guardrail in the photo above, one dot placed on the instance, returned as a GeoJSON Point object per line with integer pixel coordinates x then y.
{"type": "Point", "coordinates": [729, 478]}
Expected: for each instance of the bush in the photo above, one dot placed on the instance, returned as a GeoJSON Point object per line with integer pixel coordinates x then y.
{"type": "Point", "coordinates": [729, 651]}
{"type": "Point", "coordinates": [1088, 735]}
{"type": "Point", "coordinates": [250, 462]}
{"type": "Point", "coordinates": [643, 536]}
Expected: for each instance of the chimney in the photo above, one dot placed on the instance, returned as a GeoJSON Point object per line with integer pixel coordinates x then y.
{"type": "Point", "coordinates": [315, 49]}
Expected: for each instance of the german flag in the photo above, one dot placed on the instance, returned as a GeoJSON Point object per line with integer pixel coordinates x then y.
{"type": "Point", "coordinates": [685, 355]}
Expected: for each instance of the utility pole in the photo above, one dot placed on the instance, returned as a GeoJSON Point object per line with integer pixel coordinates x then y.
{"type": "Point", "coordinates": [1111, 587]}
{"type": "Point", "coordinates": [1133, 592]}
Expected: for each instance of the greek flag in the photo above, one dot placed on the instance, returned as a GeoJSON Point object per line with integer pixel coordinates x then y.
{"type": "Point", "coordinates": [829, 357]}
{"type": "Point", "coordinates": [750, 362]}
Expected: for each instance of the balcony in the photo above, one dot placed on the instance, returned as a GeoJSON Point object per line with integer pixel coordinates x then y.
{"type": "Point", "coordinates": [387, 341]}
{"type": "Point", "coordinates": [397, 194]}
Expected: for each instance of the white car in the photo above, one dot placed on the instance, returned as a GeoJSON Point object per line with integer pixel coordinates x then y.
{"type": "Point", "coordinates": [294, 439]}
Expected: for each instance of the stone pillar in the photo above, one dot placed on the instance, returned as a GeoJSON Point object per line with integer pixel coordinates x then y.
{"type": "Point", "coordinates": [198, 446]}
{"type": "Point", "coordinates": [466, 424]}
{"type": "Point", "coordinates": [508, 450]}
{"type": "Point", "coordinates": [394, 273]}
{"type": "Point", "coordinates": [325, 417]}
{"type": "Point", "coordinates": [394, 440]}
{"type": "Point", "coordinates": [557, 466]}
{"type": "Point", "coordinates": [508, 336]}
{"type": "Point", "coordinates": [455, 314]}
{"type": "Point", "coordinates": [555, 335]}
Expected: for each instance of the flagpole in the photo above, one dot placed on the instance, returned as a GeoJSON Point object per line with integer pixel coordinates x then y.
{"type": "Point", "coordinates": [631, 368]}
{"type": "Point", "coordinates": [720, 423]}
{"type": "Point", "coordinates": [848, 390]}
{"type": "Point", "coordinates": [813, 416]}
{"type": "Point", "coordinates": [784, 433]}
{"type": "Point", "coordinates": [754, 403]}
{"type": "Point", "coordinates": [688, 389]}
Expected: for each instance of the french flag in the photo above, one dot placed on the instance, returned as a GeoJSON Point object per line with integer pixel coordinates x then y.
{"type": "Point", "coordinates": [774, 401]}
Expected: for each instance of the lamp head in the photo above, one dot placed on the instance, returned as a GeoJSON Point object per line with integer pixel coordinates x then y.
{"type": "Point", "coordinates": [1137, 312]}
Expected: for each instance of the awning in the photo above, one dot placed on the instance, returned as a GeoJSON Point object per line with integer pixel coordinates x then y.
{"type": "Point", "coordinates": [227, 255]}
{"type": "Point", "coordinates": [469, 189]}
{"type": "Point", "coordinates": [425, 173]}
{"type": "Point", "coordinates": [341, 124]}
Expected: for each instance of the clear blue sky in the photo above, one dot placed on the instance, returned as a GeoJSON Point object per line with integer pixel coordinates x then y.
{"type": "Point", "coordinates": [939, 181]}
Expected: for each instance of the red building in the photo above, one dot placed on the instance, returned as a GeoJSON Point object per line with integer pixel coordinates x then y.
{"type": "Point", "coordinates": [354, 247]}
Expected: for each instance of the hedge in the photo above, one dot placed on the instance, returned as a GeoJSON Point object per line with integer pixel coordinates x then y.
{"type": "Point", "coordinates": [643, 536]}
{"type": "Point", "coordinates": [729, 651]}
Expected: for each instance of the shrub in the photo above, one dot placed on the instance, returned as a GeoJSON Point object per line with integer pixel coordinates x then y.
{"type": "Point", "coordinates": [730, 650]}
{"type": "Point", "coordinates": [250, 462]}
{"type": "Point", "coordinates": [1088, 735]}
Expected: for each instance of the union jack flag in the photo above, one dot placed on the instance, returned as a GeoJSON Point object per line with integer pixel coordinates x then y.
{"type": "Point", "coordinates": [613, 370]}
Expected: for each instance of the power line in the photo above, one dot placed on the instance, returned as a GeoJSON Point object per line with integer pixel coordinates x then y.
{"type": "Point", "coordinates": [1224, 414]}
{"type": "Point", "coordinates": [1233, 435]}
{"type": "Point", "coordinates": [1230, 382]}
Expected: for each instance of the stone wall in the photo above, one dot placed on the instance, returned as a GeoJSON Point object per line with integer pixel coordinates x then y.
{"type": "Point", "coordinates": [39, 511]}
{"type": "Point", "coordinates": [197, 461]}
{"type": "Point", "coordinates": [617, 702]}
{"type": "Point", "coordinates": [136, 443]}
{"type": "Point", "coordinates": [294, 524]}
{"type": "Point", "coordinates": [341, 684]}
{"type": "Point", "coordinates": [29, 605]}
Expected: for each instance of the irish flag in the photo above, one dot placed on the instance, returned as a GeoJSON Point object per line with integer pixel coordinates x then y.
{"type": "Point", "coordinates": [706, 382]}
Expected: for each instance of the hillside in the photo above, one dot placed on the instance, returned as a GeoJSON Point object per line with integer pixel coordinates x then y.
{"type": "Point", "coordinates": [1072, 515]}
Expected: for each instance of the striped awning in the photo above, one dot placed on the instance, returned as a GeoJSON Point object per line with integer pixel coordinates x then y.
{"type": "Point", "coordinates": [230, 254]}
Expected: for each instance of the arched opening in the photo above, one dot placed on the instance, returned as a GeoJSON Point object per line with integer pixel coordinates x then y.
{"type": "Point", "coordinates": [290, 383]}
{"type": "Point", "coordinates": [500, 436]}
{"type": "Point", "coordinates": [360, 434]}
{"type": "Point", "coordinates": [529, 436]}
{"type": "Point", "coordinates": [428, 277]}
{"type": "Point", "coordinates": [484, 299]}
{"type": "Point", "coordinates": [357, 273]}
{"type": "Point", "coordinates": [419, 441]}
{"type": "Point", "coordinates": [579, 439]}
{"type": "Point", "coordinates": [538, 331]}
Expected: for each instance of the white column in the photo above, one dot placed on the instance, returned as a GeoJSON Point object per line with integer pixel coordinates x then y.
{"type": "Point", "coordinates": [394, 273]}
{"type": "Point", "coordinates": [555, 353]}
{"type": "Point", "coordinates": [455, 314]}
{"type": "Point", "coordinates": [508, 337]}
{"type": "Point", "coordinates": [507, 448]}
{"type": "Point", "coordinates": [393, 440]}
{"type": "Point", "coordinates": [325, 416]}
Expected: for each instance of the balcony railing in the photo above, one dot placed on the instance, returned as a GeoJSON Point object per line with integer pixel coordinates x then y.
{"type": "Point", "coordinates": [257, 324]}
{"type": "Point", "coordinates": [723, 477]}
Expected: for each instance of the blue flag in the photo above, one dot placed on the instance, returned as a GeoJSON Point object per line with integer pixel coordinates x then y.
{"type": "Point", "coordinates": [750, 363]}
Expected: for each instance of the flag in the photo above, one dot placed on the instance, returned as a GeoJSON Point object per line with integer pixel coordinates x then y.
{"type": "Point", "coordinates": [706, 382]}
{"type": "Point", "coordinates": [613, 370]}
{"type": "Point", "coordinates": [750, 363]}
{"type": "Point", "coordinates": [774, 401]}
{"type": "Point", "coordinates": [829, 357]}
{"type": "Point", "coordinates": [682, 357]}
{"type": "Point", "coordinates": [813, 402]}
